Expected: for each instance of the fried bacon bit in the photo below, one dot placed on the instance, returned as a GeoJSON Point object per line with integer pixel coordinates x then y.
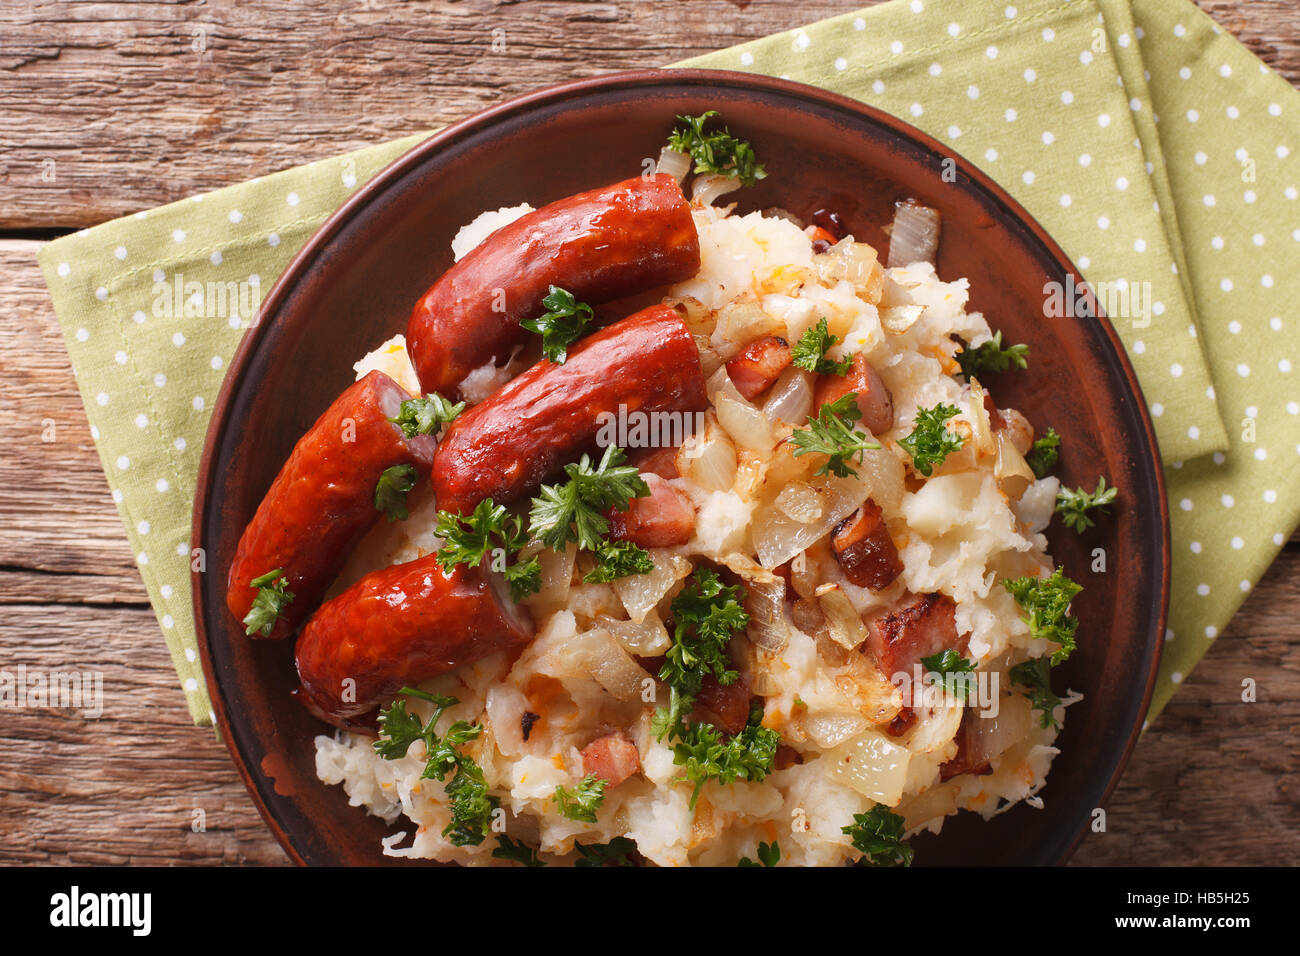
{"type": "Point", "coordinates": [726, 707]}
{"type": "Point", "coordinates": [924, 626]}
{"type": "Point", "coordinates": [759, 365]}
{"type": "Point", "coordinates": [664, 519]}
{"type": "Point", "coordinates": [902, 723]}
{"type": "Point", "coordinates": [864, 549]}
{"type": "Point", "coordinates": [874, 400]}
{"type": "Point", "coordinates": [961, 761]}
{"type": "Point", "coordinates": [612, 757]}
{"type": "Point", "coordinates": [656, 461]}
{"type": "Point", "coordinates": [526, 723]}
{"type": "Point", "coordinates": [786, 757]}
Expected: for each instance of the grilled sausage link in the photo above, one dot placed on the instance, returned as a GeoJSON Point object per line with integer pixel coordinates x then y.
{"type": "Point", "coordinates": [599, 245]}
{"type": "Point", "coordinates": [398, 626]}
{"type": "Point", "coordinates": [321, 504]}
{"type": "Point", "coordinates": [541, 420]}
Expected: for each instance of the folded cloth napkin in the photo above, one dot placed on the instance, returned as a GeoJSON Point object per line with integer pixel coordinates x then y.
{"type": "Point", "coordinates": [1154, 147]}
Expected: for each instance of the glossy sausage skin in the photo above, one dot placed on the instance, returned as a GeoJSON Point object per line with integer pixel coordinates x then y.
{"type": "Point", "coordinates": [865, 551]}
{"type": "Point", "coordinates": [541, 420]}
{"type": "Point", "coordinates": [599, 245]}
{"type": "Point", "coordinates": [322, 502]}
{"type": "Point", "coordinates": [399, 626]}
{"type": "Point", "coordinates": [759, 364]}
{"type": "Point", "coordinates": [874, 400]}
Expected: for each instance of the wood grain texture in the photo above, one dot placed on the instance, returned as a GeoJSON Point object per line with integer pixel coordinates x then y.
{"type": "Point", "coordinates": [133, 116]}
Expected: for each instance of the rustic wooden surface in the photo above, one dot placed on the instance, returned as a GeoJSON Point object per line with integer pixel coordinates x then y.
{"type": "Point", "coordinates": [133, 114]}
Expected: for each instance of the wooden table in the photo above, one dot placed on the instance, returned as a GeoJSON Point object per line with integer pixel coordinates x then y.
{"type": "Point", "coordinates": [142, 104]}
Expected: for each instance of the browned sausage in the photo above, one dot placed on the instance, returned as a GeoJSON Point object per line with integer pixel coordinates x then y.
{"type": "Point", "coordinates": [874, 400]}
{"type": "Point", "coordinates": [612, 757]}
{"type": "Point", "coordinates": [541, 420]}
{"type": "Point", "coordinates": [322, 502]}
{"type": "Point", "coordinates": [599, 245]}
{"type": "Point", "coordinates": [663, 519]}
{"type": "Point", "coordinates": [921, 627]}
{"type": "Point", "coordinates": [963, 760]}
{"type": "Point", "coordinates": [726, 706]}
{"type": "Point", "coordinates": [399, 626]}
{"type": "Point", "coordinates": [865, 551]}
{"type": "Point", "coordinates": [759, 364]}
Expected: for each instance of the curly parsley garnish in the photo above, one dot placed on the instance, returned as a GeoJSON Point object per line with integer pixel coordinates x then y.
{"type": "Point", "coordinates": [1047, 602]}
{"type": "Point", "coordinates": [1035, 676]}
{"type": "Point", "coordinates": [584, 802]}
{"type": "Point", "coordinates": [273, 596]}
{"type": "Point", "coordinates": [617, 852]}
{"type": "Point", "coordinates": [769, 854]}
{"type": "Point", "coordinates": [717, 152]}
{"type": "Point", "coordinates": [930, 441]}
{"type": "Point", "coordinates": [391, 490]}
{"type": "Point", "coordinates": [489, 529]}
{"type": "Point", "coordinates": [562, 324]}
{"type": "Point", "coordinates": [878, 836]}
{"type": "Point", "coordinates": [574, 510]}
{"type": "Point", "coordinates": [424, 416]}
{"type": "Point", "coordinates": [471, 805]}
{"type": "Point", "coordinates": [1073, 505]}
{"type": "Point", "coordinates": [618, 559]}
{"type": "Point", "coordinates": [749, 755]}
{"type": "Point", "coordinates": [832, 434]}
{"type": "Point", "coordinates": [1044, 454]}
{"type": "Point", "coordinates": [949, 662]}
{"type": "Point", "coordinates": [810, 351]}
{"type": "Point", "coordinates": [521, 853]}
{"type": "Point", "coordinates": [992, 357]}
{"type": "Point", "coordinates": [706, 614]}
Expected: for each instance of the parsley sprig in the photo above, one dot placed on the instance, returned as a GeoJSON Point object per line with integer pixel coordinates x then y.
{"type": "Point", "coordinates": [990, 356]}
{"type": "Point", "coordinates": [832, 434]}
{"type": "Point", "coordinates": [273, 596]}
{"type": "Point", "coordinates": [809, 352]}
{"type": "Point", "coordinates": [1035, 676]}
{"type": "Point", "coordinates": [769, 854]}
{"type": "Point", "coordinates": [1074, 504]}
{"type": "Point", "coordinates": [391, 490]}
{"type": "Point", "coordinates": [717, 152]}
{"type": "Point", "coordinates": [1044, 454]}
{"type": "Point", "coordinates": [1047, 602]}
{"type": "Point", "coordinates": [489, 529]}
{"type": "Point", "coordinates": [705, 755]}
{"type": "Point", "coordinates": [930, 441]}
{"type": "Point", "coordinates": [424, 416]}
{"type": "Point", "coordinates": [521, 853]}
{"type": "Point", "coordinates": [706, 614]}
{"type": "Point", "coordinates": [574, 510]}
{"type": "Point", "coordinates": [878, 836]}
{"type": "Point", "coordinates": [583, 803]}
{"type": "Point", "coordinates": [618, 559]}
{"type": "Point", "coordinates": [471, 805]}
{"type": "Point", "coordinates": [949, 662]}
{"type": "Point", "coordinates": [617, 852]}
{"type": "Point", "coordinates": [562, 324]}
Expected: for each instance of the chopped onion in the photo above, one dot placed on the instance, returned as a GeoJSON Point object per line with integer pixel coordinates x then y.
{"type": "Point", "coordinates": [874, 697]}
{"type": "Point", "coordinates": [831, 730]}
{"type": "Point", "coordinates": [791, 397]}
{"type": "Point", "coordinates": [801, 502]}
{"type": "Point", "coordinates": [645, 639]}
{"type": "Point", "coordinates": [641, 592]}
{"type": "Point", "coordinates": [897, 319]}
{"type": "Point", "coordinates": [609, 665]}
{"type": "Point", "coordinates": [1010, 468]}
{"type": "Point", "coordinates": [768, 627]}
{"type": "Point", "coordinates": [705, 189]}
{"type": "Point", "coordinates": [741, 322]}
{"type": "Point", "coordinates": [557, 575]}
{"type": "Point", "coordinates": [981, 430]}
{"type": "Point", "coordinates": [989, 737]}
{"type": "Point", "coordinates": [871, 765]}
{"type": "Point", "coordinates": [855, 262]}
{"type": "Point", "coordinates": [843, 623]}
{"type": "Point", "coordinates": [674, 163]}
{"type": "Point", "coordinates": [708, 458]}
{"type": "Point", "coordinates": [932, 804]}
{"type": "Point", "coordinates": [506, 705]}
{"type": "Point", "coordinates": [915, 236]}
{"type": "Point", "coordinates": [748, 426]}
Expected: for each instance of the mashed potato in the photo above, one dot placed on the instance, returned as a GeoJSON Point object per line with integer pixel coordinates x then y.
{"type": "Point", "coordinates": [959, 533]}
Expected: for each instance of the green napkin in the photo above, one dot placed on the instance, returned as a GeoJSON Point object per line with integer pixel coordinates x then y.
{"type": "Point", "coordinates": [1153, 147]}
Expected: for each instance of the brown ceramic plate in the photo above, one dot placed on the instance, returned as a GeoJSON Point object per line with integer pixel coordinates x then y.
{"type": "Point", "coordinates": [354, 283]}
